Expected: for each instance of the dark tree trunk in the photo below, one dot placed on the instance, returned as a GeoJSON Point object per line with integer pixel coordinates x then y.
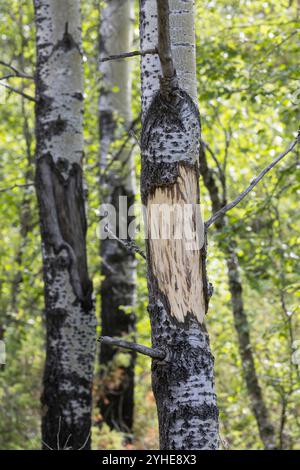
{"type": "Point", "coordinates": [116, 400]}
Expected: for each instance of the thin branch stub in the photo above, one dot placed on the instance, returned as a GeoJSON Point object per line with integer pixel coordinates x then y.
{"type": "Point", "coordinates": [120, 343]}
{"type": "Point", "coordinates": [125, 55]}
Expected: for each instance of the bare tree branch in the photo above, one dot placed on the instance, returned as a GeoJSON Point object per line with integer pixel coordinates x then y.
{"type": "Point", "coordinates": [120, 343]}
{"type": "Point", "coordinates": [125, 55]}
{"type": "Point", "coordinates": [25, 185]}
{"type": "Point", "coordinates": [130, 245]}
{"type": "Point", "coordinates": [19, 92]}
{"type": "Point", "coordinates": [253, 183]}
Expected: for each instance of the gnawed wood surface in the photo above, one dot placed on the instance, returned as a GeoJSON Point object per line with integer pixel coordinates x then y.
{"type": "Point", "coordinates": [175, 245]}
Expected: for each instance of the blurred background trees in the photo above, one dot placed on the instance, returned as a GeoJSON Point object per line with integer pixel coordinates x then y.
{"type": "Point", "coordinates": [116, 180]}
{"type": "Point", "coordinates": [248, 85]}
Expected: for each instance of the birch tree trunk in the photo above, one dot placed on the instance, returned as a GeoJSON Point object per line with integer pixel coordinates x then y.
{"type": "Point", "coordinates": [183, 382]}
{"type": "Point", "coordinates": [241, 323]}
{"type": "Point", "coordinates": [117, 187]}
{"type": "Point", "coordinates": [70, 321]}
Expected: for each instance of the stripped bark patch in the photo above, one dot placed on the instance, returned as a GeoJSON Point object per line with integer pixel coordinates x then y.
{"type": "Point", "coordinates": [175, 244]}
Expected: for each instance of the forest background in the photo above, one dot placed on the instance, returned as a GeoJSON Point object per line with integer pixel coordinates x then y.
{"type": "Point", "coordinates": [249, 94]}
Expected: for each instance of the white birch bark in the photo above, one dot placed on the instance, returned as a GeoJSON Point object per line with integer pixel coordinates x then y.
{"type": "Point", "coordinates": [70, 321]}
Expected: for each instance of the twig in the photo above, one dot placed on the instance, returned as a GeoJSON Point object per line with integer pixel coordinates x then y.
{"type": "Point", "coordinates": [19, 92]}
{"type": "Point", "coordinates": [25, 185]}
{"type": "Point", "coordinates": [253, 183]}
{"type": "Point", "coordinates": [85, 442]}
{"type": "Point", "coordinates": [45, 444]}
{"type": "Point", "coordinates": [124, 55]}
{"type": "Point", "coordinates": [164, 42]}
{"type": "Point", "coordinates": [13, 75]}
{"type": "Point", "coordinates": [17, 72]}
{"type": "Point", "coordinates": [120, 343]}
{"type": "Point", "coordinates": [130, 245]}
{"type": "Point", "coordinates": [58, 432]}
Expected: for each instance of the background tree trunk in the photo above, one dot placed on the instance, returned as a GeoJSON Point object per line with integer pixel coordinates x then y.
{"type": "Point", "coordinates": [242, 327]}
{"type": "Point", "coordinates": [116, 180]}
{"type": "Point", "coordinates": [66, 398]}
{"type": "Point", "coordinates": [183, 382]}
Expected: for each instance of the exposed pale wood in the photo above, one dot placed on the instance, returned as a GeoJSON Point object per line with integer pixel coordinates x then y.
{"type": "Point", "coordinates": [175, 246]}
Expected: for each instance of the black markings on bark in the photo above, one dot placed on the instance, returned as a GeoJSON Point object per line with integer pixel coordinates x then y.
{"type": "Point", "coordinates": [183, 383]}
{"type": "Point", "coordinates": [67, 43]}
{"type": "Point", "coordinates": [63, 222]}
{"type": "Point", "coordinates": [180, 381]}
{"type": "Point", "coordinates": [163, 146]}
{"type": "Point", "coordinates": [207, 286]}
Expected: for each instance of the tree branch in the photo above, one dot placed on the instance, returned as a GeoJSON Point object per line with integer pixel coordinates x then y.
{"type": "Point", "coordinates": [125, 55]}
{"type": "Point", "coordinates": [19, 92]}
{"type": "Point", "coordinates": [120, 343]}
{"type": "Point", "coordinates": [25, 185]}
{"type": "Point", "coordinates": [253, 183]}
{"type": "Point", "coordinates": [130, 245]}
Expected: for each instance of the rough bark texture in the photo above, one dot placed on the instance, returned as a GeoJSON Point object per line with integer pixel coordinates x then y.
{"type": "Point", "coordinates": [70, 321]}
{"type": "Point", "coordinates": [183, 382]}
{"type": "Point", "coordinates": [117, 179]}
{"type": "Point", "coordinates": [260, 411]}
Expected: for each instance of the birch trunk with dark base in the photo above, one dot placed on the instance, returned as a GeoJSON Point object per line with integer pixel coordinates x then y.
{"type": "Point", "coordinates": [183, 382]}
{"type": "Point", "coordinates": [241, 323]}
{"type": "Point", "coordinates": [116, 181]}
{"type": "Point", "coordinates": [70, 321]}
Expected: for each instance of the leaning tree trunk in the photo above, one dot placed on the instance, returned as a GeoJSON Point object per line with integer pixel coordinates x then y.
{"type": "Point", "coordinates": [70, 322]}
{"type": "Point", "coordinates": [241, 323]}
{"type": "Point", "coordinates": [183, 382]}
{"type": "Point", "coordinates": [117, 187]}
